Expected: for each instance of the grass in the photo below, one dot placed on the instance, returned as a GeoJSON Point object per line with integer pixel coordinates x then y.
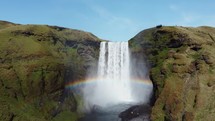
{"type": "Point", "coordinates": [5, 24]}
{"type": "Point", "coordinates": [34, 61]}
{"type": "Point", "coordinates": [22, 110]}
{"type": "Point", "coordinates": [179, 90]}
{"type": "Point", "coordinates": [67, 116]}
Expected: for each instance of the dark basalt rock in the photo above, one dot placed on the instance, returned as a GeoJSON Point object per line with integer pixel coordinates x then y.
{"type": "Point", "coordinates": [175, 43]}
{"type": "Point", "coordinates": [159, 26]}
{"type": "Point", "coordinates": [24, 33]}
{"type": "Point", "coordinates": [134, 112]}
{"type": "Point", "coordinates": [71, 43]}
{"type": "Point", "coordinates": [58, 28]}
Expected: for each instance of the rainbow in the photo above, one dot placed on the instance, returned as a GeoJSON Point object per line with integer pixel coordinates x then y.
{"type": "Point", "coordinates": [71, 84]}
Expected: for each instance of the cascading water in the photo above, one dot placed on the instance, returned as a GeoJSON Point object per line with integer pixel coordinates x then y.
{"type": "Point", "coordinates": [115, 88]}
{"type": "Point", "coordinates": [114, 73]}
{"type": "Point", "coordinates": [114, 83]}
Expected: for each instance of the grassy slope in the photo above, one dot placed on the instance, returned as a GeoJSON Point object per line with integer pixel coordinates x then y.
{"type": "Point", "coordinates": [36, 61]}
{"type": "Point", "coordinates": [182, 63]}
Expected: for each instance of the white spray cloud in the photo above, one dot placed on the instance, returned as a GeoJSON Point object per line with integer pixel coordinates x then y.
{"type": "Point", "coordinates": [115, 83]}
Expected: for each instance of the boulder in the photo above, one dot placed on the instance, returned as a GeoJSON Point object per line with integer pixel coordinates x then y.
{"type": "Point", "coordinates": [134, 112]}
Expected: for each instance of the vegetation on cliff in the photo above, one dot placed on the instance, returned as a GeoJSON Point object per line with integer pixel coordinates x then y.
{"type": "Point", "coordinates": [35, 63]}
{"type": "Point", "coordinates": [182, 68]}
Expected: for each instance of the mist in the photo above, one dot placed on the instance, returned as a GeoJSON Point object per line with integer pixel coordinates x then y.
{"type": "Point", "coordinates": [120, 78]}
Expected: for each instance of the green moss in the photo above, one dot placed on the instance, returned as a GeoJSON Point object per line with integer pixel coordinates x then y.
{"type": "Point", "coordinates": [196, 56]}
{"type": "Point", "coordinates": [66, 116]}
{"type": "Point", "coordinates": [23, 110]}
{"type": "Point", "coordinates": [170, 68]}
{"type": "Point", "coordinates": [36, 60]}
{"type": "Point", "coordinates": [182, 77]}
{"type": "Point", "coordinates": [160, 114]}
{"type": "Point", "coordinates": [5, 24]}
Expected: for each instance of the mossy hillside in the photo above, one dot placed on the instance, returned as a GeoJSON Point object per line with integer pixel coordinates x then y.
{"type": "Point", "coordinates": [5, 24]}
{"type": "Point", "coordinates": [181, 61]}
{"type": "Point", "coordinates": [36, 62]}
{"type": "Point", "coordinates": [67, 116]}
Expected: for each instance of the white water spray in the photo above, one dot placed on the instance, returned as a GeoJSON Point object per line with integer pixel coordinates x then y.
{"type": "Point", "coordinates": [114, 73]}
{"type": "Point", "coordinates": [113, 84]}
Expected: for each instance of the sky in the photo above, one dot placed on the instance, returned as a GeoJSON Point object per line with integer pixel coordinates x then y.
{"type": "Point", "coordinates": [115, 20]}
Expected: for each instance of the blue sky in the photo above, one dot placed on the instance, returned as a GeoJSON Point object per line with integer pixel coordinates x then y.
{"type": "Point", "coordinates": [116, 20]}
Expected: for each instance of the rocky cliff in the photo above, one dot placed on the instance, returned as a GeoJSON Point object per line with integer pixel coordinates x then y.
{"type": "Point", "coordinates": [182, 66]}
{"type": "Point", "coordinates": [35, 63]}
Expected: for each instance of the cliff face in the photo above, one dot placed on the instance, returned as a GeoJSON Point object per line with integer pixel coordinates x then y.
{"type": "Point", "coordinates": [182, 68]}
{"type": "Point", "coordinates": [35, 63]}
{"type": "Point", "coordinates": [37, 60]}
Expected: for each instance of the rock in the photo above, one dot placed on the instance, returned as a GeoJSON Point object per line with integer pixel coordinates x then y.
{"type": "Point", "coordinates": [36, 62]}
{"type": "Point", "coordinates": [196, 47]}
{"type": "Point", "coordinates": [134, 112]}
{"type": "Point", "coordinates": [175, 43]}
{"type": "Point", "coordinates": [158, 26]}
{"type": "Point", "coordinates": [180, 51]}
{"type": "Point", "coordinates": [207, 59]}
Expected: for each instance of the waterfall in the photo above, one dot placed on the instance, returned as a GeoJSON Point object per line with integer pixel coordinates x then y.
{"type": "Point", "coordinates": [113, 76]}
{"type": "Point", "coordinates": [114, 83]}
{"type": "Point", "coordinates": [114, 62]}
